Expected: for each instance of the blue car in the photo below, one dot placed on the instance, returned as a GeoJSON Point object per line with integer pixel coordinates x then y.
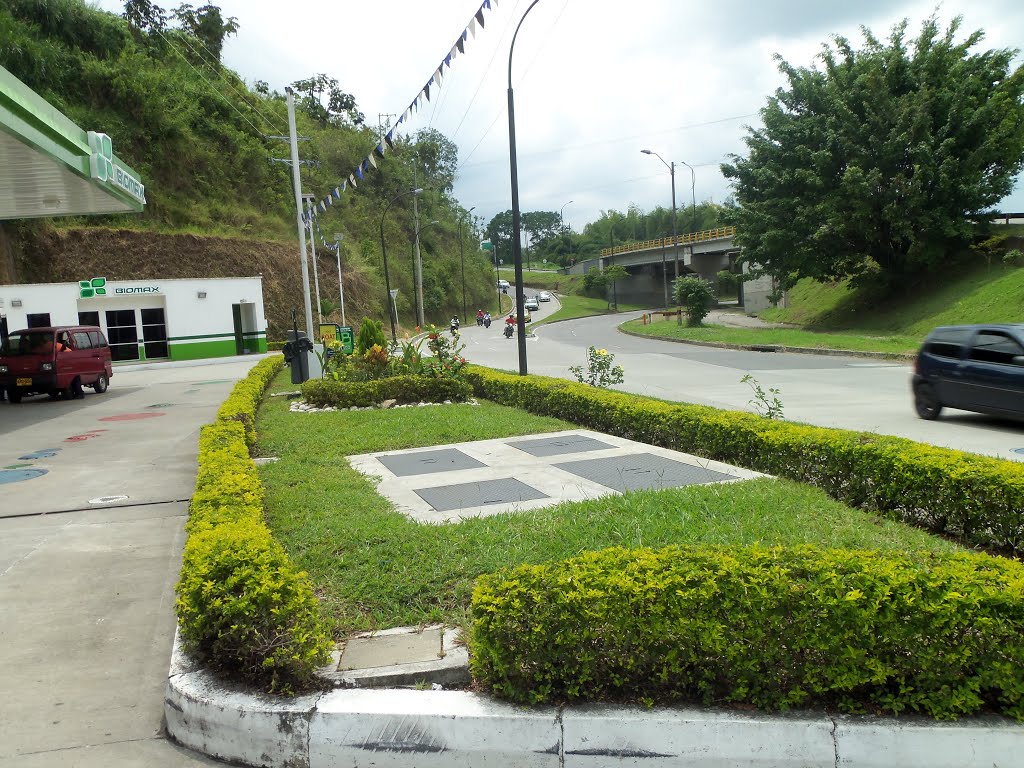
{"type": "Point", "coordinates": [972, 367]}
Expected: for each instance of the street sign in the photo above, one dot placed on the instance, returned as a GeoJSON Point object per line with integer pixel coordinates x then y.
{"type": "Point", "coordinates": [341, 334]}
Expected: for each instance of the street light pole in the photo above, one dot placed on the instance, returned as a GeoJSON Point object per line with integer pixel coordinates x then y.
{"type": "Point", "coordinates": [384, 253]}
{"type": "Point", "coordinates": [338, 237]}
{"type": "Point", "coordinates": [417, 295]}
{"type": "Point", "coordinates": [312, 244]}
{"type": "Point", "coordinates": [561, 220]}
{"type": "Point", "coordinates": [462, 257]}
{"type": "Point", "coordinates": [297, 184]}
{"type": "Point", "coordinates": [675, 245]}
{"type": "Point", "coordinates": [517, 249]}
{"type": "Point", "coordinates": [693, 203]}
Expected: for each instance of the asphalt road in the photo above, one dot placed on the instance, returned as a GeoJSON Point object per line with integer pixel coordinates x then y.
{"type": "Point", "coordinates": [847, 392]}
{"type": "Point", "coordinates": [89, 555]}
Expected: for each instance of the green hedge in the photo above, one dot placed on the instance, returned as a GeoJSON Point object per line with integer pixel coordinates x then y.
{"type": "Point", "coordinates": [403, 389]}
{"type": "Point", "coordinates": [976, 499]}
{"type": "Point", "coordinates": [243, 607]}
{"type": "Point", "coordinates": [776, 628]}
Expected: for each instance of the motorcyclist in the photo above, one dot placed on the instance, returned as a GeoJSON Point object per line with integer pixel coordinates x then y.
{"type": "Point", "coordinates": [454, 325]}
{"type": "Point", "coordinates": [510, 326]}
{"type": "Point", "coordinates": [487, 319]}
{"type": "Point", "coordinates": [479, 317]}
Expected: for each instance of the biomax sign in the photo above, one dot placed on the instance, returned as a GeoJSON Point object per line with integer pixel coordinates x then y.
{"type": "Point", "coordinates": [89, 289]}
{"type": "Point", "coordinates": [102, 168]}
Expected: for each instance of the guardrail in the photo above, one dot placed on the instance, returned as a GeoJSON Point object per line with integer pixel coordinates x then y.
{"type": "Point", "coordinates": [719, 233]}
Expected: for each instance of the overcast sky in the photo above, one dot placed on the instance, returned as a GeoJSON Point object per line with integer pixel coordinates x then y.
{"type": "Point", "coordinates": [595, 81]}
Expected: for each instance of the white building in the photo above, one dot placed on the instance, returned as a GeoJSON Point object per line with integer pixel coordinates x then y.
{"type": "Point", "coordinates": [150, 319]}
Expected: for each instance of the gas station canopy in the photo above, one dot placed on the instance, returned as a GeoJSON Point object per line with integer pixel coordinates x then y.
{"type": "Point", "coordinates": [51, 167]}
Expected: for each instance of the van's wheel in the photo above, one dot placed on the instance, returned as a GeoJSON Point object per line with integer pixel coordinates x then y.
{"type": "Point", "coordinates": [926, 402]}
{"type": "Point", "coordinates": [101, 384]}
{"type": "Point", "coordinates": [14, 395]}
{"type": "Point", "coordinates": [77, 393]}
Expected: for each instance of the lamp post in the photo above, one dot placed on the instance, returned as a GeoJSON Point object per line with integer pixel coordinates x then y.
{"type": "Point", "coordinates": [675, 246]}
{"type": "Point", "coordinates": [338, 236]}
{"type": "Point", "coordinates": [561, 220]}
{"type": "Point", "coordinates": [462, 258]}
{"type": "Point", "coordinates": [517, 249]}
{"type": "Point", "coordinates": [417, 269]}
{"type": "Point", "coordinates": [693, 202]}
{"type": "Point", "coordinates": [384, 253]}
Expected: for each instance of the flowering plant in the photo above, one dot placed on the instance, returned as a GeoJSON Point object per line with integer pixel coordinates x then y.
{"type": "Point", "coordinates": [601, 369]}
{"type": "Point", "coordinates": [447, 361]}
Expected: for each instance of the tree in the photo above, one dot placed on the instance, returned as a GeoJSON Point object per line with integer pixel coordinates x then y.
{"type": "Point", "coordinates": [613, 274]}
{"type": "Point", "coordinates": [145, 16]}
{"type": "Point", "coordinates": [438, 157]}
{"type": "Point", "coordinates": [874, 167]}
{"type": "Point", "coordinates": [339, 108]}
{"type": "Point", "coordinates": [208, 25]}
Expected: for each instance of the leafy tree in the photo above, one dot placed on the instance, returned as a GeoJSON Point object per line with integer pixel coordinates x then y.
{"type": "Point", "coordinates": [694, 295]}
{"type": "Point", "coordinates": [499, 232]}
{"type": "Point", "coordinates": [438, 157]}
{"type": "Point", "coordinates": [326, 103]}
{"type": "Point", "coordinates": [145, 16]}
{"type": "Point", "coordinates": [874, 166]}
{"type": "Point", "coordinates": [208, 25]}
{"type": "Point", "coordinates": [370, 332]}
{"type": "Point", "coordinates": [613, 274]}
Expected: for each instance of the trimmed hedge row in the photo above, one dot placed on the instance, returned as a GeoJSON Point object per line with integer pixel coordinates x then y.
{"type": "Point", "coordinates": [977, 499]}
{"type": "Point", "coordinates": [776, 628]}
{"type": "Point", "coordinates": [243, 607]}
{"type": "Point", "coordinates": [403, 389]}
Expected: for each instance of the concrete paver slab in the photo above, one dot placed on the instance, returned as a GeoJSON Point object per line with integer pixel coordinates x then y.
{"type": "Point", "coordinates": [385, 648]}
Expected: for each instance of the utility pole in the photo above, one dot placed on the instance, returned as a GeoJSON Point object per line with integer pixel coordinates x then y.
{"type": "Point", "coordinates": [381, 123]}
{"type": "Point", "coordinates": [338, 237]}
{"type": "Point", "coordinates": [312, 245]}
{"type": "Point", "coordinates": [420, 319]}
{"type": "Point", "coordinates": [297, 184]}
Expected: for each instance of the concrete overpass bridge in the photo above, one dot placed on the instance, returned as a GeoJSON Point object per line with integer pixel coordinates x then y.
{"type": "Point", "coordinates": [654, 264]}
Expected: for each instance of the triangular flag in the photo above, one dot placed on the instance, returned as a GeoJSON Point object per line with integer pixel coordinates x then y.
{"type": "Point", "coordinates": [379, 150]}
{"type": "Point", "coordinates": [437, 77]}
{"type": "Point", "coordinates": [480, 17]}
{"type": "Point", "coordinates": [472, 27]}
{"type": "Point", "coordinates": [336, 194]}
{"type": "Point", "coordinates": [461, 42]}
{"type": "Point", "coordinates": [449, 57]}
{"type": "Point", "coordinates": [323, 206]}
{"type": "Point", "coordinates": [352, 181]}
{"type": "Point", "coordinates": [426, 91]}
{"type": "Point", "coordinates": [387, 138]}
{"type": "Point", "coordinates": [359, 170]}
{"type": "Point", "coordinates": [372, 159]}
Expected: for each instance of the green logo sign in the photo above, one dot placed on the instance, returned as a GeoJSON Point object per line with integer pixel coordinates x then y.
{"type": "Point", "coordinates": [101, 159]}
{"type": "Point", "coordinates": [348, 339]}
{"type": "Point", "coordinates": [87, 289]}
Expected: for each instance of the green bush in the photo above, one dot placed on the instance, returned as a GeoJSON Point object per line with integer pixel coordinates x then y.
{"type": "Point", "coordinates": [245, 611]}
{"type": "Point", "coordinates": [694, 294]}
{"type": "Point", "coordinates": [370, 332]}
{"type": "Point", "coordinates": [977, 499]}
{"type": "Point", "coordinates": [243, 608]}
{"type": "Point", "coordinates": [245, 398]}
{"type": "Point", "coordinates": [1014, 258]}
{"type": "Point", "coordinates": [403, 389]}
{"type": "Point", "coordinates": [776, 628]}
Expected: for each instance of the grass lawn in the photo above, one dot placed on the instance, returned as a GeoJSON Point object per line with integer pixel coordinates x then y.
{"type": "Point", "coordinates": [583, 306]}
{"type": "Point", "coordinates": [790, 337]}
{"type": "Point", "coordinates": [374, 568]}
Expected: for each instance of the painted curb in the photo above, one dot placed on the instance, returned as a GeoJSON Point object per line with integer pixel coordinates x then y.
{"type": "Point", "coordinates": [460, 729]}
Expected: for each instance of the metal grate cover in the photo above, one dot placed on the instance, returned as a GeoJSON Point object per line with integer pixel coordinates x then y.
{"type": "Point", "coordinates": [428, 462]}
{"type": "Point", "coordinates": [642, 471]}
{"type": "Point", "coordinates": [554, 446]}
{"type": "Point", "coordinates": [507, 490]}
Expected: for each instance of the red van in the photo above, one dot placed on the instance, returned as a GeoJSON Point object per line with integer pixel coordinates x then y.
{"type": "Point", "coordinates": [57, 361]}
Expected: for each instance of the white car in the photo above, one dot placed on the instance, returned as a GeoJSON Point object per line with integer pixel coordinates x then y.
{"type": "Point", "coordinates": [544, 296]}
{"type": "Point", "coordinates": [531, 304]}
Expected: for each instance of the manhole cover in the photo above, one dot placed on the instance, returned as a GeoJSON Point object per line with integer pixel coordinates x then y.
{"type": "Point", "coordinates": [108, 499]}
{"type": "Point", "coordinates": [17, 475]}
{"type": "Point", "coordinates": [642, 471]}
{"type": "Point", "coordinates": [555, 446]}
{"type": "Point", "coordinates": [507, 490]}
{"type": "Point", "coordinates": [428, 462]}
{"type": "Point", "coordinates": [1018, 450]}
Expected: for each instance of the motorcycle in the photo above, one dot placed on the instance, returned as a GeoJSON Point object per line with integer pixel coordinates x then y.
{"type": "Point", "coordinates": [487, 322]}
{"type": "Point", "coordinates": [509, 330]}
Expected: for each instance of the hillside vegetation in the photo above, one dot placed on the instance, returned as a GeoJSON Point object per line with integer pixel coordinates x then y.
{"type": "Point", "coordinates": [203, 140]}
{"type": "Point", "coordinates": [975, 292]}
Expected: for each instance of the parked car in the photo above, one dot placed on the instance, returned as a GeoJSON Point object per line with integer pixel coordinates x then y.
{"type": "Point", "coordinates": [973, 367]}
{"type": "Point", "coordinates": [55, 361]}
{"type": "Point", "coordinates": [544, 296]}
{"type": "Point", "coordinates": [531, 303]}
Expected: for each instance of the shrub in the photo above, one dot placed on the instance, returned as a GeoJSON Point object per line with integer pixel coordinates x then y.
{"type": "Point", "coordinates": [694, 294]}
{"type": "Point", "coordinates": [243, 608]}
{"type": "Point", "coordinates": [776, 628]}
{"type": "Point", "coordinates": [1014, 258]}
{"type": "Point", "coordinates": [246, 611]}
{"type": "Point", "coordinates": [371, 333]}
{"type": "Point", "coordinates": [601, 369]}
{"type": "Point", "coordinates": [978, 499]}
{"type": "Point", "coordinates": [403, 389]}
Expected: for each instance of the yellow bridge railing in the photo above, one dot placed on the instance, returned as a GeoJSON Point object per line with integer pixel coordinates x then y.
{"type": "Point", "coordinates": [719, 233]}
